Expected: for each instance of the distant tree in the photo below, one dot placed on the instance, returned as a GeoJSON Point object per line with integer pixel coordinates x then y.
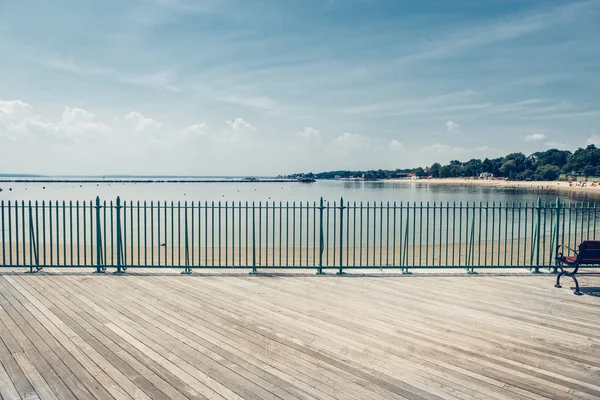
{"type": "Point", "coordinates": [420, 172]}
{"type": "Point", "coordinates": [519, 160]}
{"type": "Point", "coordinates": [584, 161]}
{"type": "Point", "coordinates": [509, 169]}
{"type": "Point", "coordinates": [473, 167]}
{"type": "Point", "coordinates": [547, 173]}
{"type": "Point", "coordinates": [435, 170]}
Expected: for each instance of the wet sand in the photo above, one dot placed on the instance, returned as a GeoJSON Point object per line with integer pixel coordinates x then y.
{"type": "Point", "coordinates": [498, 183]}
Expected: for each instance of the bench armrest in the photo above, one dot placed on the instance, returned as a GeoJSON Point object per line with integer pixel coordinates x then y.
{"type": "Point", "coordinates": [560, 254]}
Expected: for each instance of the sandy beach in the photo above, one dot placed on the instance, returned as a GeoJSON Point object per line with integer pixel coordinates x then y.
{"type": "Point", "coordinates": [534, 185]}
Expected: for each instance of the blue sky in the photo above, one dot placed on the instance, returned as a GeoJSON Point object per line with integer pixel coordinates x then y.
{"type": "Point", "coordinates": [238, 87]}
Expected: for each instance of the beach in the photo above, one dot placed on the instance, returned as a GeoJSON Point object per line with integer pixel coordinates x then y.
{"type": "Point", "coordinates": [500, 183]}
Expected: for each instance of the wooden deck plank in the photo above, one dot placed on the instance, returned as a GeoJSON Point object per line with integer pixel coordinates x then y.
{"type": "Point", "coordinates": [167, 383]}
{"type": "Point", "coordinates": [142, 311]}
{"type": "Point", "coordinates": [148, 335]}
{"type": "Point", "coordinates": [8, 391]}
{"type": "Point", "coordinates": [344, 343]}
{"type": "Point", "coordinates": [504, 360]}
{"type": "Point", "coordinates": [240, 358]}
{"type": "Point", "coordinates": [65, 366]}
{"type": "Point", "coordinates": [88, 357]}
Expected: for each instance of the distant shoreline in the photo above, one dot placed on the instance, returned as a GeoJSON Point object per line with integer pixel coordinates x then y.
{"type": "Point", "coordinates": [222, 180]}
{"type": "Point", "coordinates": [498, 183]}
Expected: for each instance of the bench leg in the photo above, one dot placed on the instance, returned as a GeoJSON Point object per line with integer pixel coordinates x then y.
{"type": "Point", "coordinates": [558, 279]}
{"type": "Point", "coordinates": [577, 292]}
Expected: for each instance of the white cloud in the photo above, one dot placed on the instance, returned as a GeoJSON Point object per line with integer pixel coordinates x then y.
{"type": "Point", "coordinates": [594, 139]}
{"type": "Point", "coordinates": [395, 144]}
{"type": "Point", "coordinates": [264, 103]}
{"type": "Point", "coordinates": [534, 137]}
{"type": "Point", "coordinates": [452, 126]}
{"type": "Point", "coordinates": [197, 129]}
{"type": "Point", "coordinates": [141, 123]}
{"type": "Point", "coordinates": [15, 115]}
{"type": "Point", "coordinates": [76, 123]}
{"type": "Point", "coordinates": [18, 121]}
{"type": "Point", "coordinates": [239, 125]}
{"type": "Point", "coordinates": [309, 133]}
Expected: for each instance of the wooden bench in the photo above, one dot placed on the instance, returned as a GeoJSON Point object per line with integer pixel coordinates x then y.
{"type": "Point", "coordinates": [588, 254]}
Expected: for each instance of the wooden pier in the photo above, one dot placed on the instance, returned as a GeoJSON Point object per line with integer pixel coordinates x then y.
{"type": "Point", "coordinates": [213, 335]}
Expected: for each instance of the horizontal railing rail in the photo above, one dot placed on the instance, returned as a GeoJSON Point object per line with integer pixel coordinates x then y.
{"type": "Point", "coordinates": [317, 235]}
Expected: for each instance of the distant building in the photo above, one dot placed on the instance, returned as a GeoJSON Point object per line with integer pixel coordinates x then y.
{"type": "Point", "coordinates": [486, 175]}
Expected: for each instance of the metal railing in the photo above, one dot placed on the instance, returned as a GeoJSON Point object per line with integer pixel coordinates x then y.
{"type": "Point", "coordinates": [319, 235]}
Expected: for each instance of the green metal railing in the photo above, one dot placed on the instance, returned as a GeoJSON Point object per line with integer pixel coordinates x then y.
{"type": "Point", "coordinates": [318, 235]}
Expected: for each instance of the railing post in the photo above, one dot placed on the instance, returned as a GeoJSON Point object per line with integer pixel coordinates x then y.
{"type": "Point", "coordinates": [321, 244]}
{"type": "Point", "coordinates": [120, 268]}
{"type": "Point", "coordinates": [188, 270]}
{"type": "Point", "coordinates": [33, 243]}
{"type": "Point", "coordinates": [536, 270]}
{"type": "Point", "coordinates": [340, 271]}
{"type": "Point", "coordinates": [100, 268]}
{"type": "Point", "coordinates": [254, 271]}
{"type": "Point", "coordinates": [556, 233]}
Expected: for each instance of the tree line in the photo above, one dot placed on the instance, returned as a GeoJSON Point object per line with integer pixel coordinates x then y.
{"type": "Point", "coordinates": [544, 166]}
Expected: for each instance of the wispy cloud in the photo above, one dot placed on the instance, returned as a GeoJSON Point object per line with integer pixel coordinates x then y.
{"type": "Point", "coordinates": [264, 103]}
{"type": "Point", "coordinates": [501, 30]}
{"type": "Point", "coordinates": [162, 80]}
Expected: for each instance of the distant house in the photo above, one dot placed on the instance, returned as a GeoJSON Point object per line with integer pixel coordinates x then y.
{"type": "Point", "coordinates": [486, 175]}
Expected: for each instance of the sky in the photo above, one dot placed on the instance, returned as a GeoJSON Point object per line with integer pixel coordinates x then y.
{"type": "Point", "coordinates": [268, 87]}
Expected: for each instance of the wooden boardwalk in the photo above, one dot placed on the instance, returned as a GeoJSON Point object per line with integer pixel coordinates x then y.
{"type": "Point", "coordinates": [233, 336]}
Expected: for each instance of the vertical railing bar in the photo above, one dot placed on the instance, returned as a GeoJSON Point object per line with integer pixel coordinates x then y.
{"type": "Point", "coordinates": [10, 247]}
{"type": "Point", "coordinates": [387, 236]}
{"type": "Point", "coordinates": [253, 239]}
{"type": "Point", "coordinates": [4, 236]}
{"type": "Point", "coordinates": [367, 230]}
{"type": "Point", "coordinates": [16, 231]}
{"type": "Point", "coordinates": [380, 233]}
{"type": "Point", "coordinates": [293, 234]}
{"type": "Point", "coordinates": [158, 237]}
{"type": "Point", "coordinates": [327, 236]}
{"type": "Point", "coordinates": [300, 235]}
{"type": "Point", "coordinates": [485, 247]}
{"type": "Point", "coordinates": [23, 228]}
{"type": "Point", "coordinates": [64, 231]}
{"type": "Point", "coordinates": [348, 233]}
{"type": "Point", "coordinates": [124, 220]}
{"type": "Point", "coordinates": [361, 235]}
{"type": "Point", "coordinates": [151, 234]}
{"type": "Point", "coordinates": [426, 235]}
{"type": "Point", "coordinates": [178, 233]}
{"type": "Point", "coordinates": [334, 228]}
{"type": "Point", "coordinates": [260, 233]}
{"type": "Point", "coordinates": [341, 235]}
{"type": "Point", "coordinates": [281, 233]}
{"type": "Point", "coordinates": [77, 230]}
{"type": "Point", "coordinates": [44, 230]}
{"type": "Point", "coordinates": [460, 219]}
{"type": "Point", "coordinates": [287, 233]}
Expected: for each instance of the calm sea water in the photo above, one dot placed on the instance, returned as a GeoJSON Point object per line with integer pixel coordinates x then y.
{"type": "Point", "coordinates": [288, 191]}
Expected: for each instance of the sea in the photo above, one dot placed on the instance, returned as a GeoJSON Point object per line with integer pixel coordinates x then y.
{"type": "Point", "coordinates": [230, 189]}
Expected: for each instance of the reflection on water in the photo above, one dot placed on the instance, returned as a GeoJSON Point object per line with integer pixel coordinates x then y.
{"type": "Point", "coordinates": [292, 191]}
